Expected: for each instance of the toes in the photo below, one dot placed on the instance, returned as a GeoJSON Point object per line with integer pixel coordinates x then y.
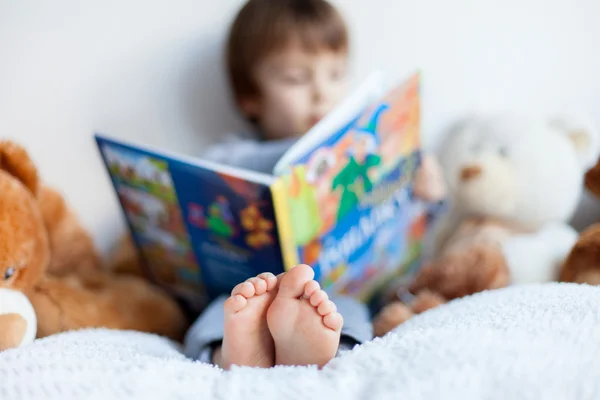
{"type": "Point", "coordinates": [318, 297]}
{"type": "Point", "coordinates": [310, 288]}
{"type": "Point", "coordinates": [260, 285]}
{"type": "Point", "coordinates": [326, 307]}
{"type": "Point", "coordinates": [235, 303]}
{"type": "Point", "coordinates": [246, 289]}
{"type": "Point", "coordinates": [333, 321]}
{"type": "Point", "coordinates": [256, 286]}
{"type": "Point", "coordinates": [279, 277]}
{"type": "Point", "coordinates": [270, 279]}
{"type": "Point", "coordinates": [293, 282]}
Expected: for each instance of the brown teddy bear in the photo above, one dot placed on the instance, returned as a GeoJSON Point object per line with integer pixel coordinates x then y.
{"type": "Point", "coordinates": [583, 262]}
{"type": "Point", "coordinates": [46, 254]}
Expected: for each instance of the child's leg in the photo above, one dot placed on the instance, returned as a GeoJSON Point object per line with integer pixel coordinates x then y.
{"type": "Point", "coordinates": [204, 339]}
{"type": "Point", "coordinates": [207, 332]}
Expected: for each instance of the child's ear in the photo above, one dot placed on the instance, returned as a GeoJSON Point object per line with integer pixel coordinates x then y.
{"type": "Point", "coordinates": [250, 106]}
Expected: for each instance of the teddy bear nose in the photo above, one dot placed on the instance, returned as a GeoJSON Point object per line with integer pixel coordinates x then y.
{"type": "Point", "coordinates": [470, 172]}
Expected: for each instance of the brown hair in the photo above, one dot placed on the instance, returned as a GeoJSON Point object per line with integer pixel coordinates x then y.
{"type": "Point", "coordinates": [262, 27]}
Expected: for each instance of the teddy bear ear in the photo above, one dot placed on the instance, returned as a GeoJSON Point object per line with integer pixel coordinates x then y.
{"type": "Point", "coordinates": [583, 135]}
{"type": "Point", "coordinates": [15, 160]}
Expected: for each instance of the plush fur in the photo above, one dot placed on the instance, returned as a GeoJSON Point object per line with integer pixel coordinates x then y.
{"type": "Point", "coordinates": [71, 246]}
{"type": "Point", "coordinates": [583, 263]}
{"type": "Point", "coordinates": [592, 180]}
{"type": "Point", "coordinates": [46, 254]}
{"type": "Point", "coordinates": [514, 183]}
{"type": "Point", "coordinates": [124, 258]}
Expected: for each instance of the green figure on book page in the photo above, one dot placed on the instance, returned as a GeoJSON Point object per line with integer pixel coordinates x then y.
{"type": "Point", "coordinates": [355, 172]}
{"type": "Point", "coordinates": [304, 207]}
{"type": "Point", "coordinates": [217, 220]}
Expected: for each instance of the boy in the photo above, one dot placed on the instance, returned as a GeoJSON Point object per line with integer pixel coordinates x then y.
{"type": "Point", "coordinates": [287, 62]}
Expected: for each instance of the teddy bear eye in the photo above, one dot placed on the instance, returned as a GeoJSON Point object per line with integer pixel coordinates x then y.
{"type": "Point", "coordinates": [9, 273]}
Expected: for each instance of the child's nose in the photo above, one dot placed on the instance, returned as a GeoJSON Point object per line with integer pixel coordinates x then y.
{"type": "Point", "coordinates": [319, 92]}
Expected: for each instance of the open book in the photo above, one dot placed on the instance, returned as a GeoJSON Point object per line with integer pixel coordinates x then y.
{"type": "Point", "coordinates": [339, 200]}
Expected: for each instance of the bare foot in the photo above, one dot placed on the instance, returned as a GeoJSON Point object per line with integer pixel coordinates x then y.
{"type": "Point", "coordinates": [247, 340]}
{"type": "Point", "coordinates": [304, 323]}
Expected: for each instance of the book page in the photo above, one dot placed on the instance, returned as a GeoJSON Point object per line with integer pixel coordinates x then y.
{"type": "Point", "coordinates": [198, 229]}
{"type": "Point", "coordinates": [352, 212]}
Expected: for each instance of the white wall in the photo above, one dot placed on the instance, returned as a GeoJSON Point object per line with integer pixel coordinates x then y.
{"type": "Point", "coordinates": [151, 71]}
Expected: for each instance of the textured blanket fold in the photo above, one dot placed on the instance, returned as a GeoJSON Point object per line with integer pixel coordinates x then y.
{"type": "Point", "coordinates": [529, 342]}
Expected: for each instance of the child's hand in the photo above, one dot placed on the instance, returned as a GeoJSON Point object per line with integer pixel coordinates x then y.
{"type": "Point", "coordinates": [429, 181]}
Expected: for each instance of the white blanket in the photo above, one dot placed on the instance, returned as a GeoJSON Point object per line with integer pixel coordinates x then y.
{"type": "Point", "coordinates": [530, 342]}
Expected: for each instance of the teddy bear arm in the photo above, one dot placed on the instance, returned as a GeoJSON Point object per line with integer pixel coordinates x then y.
{"type": "Point", "coordinates": [100, 300]}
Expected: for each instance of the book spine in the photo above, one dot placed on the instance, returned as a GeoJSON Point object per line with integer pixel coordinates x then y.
{"type": "Point", "coordinates": [285, 230]}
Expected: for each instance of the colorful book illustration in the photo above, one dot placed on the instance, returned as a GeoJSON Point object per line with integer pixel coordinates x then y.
{"type": "Point", "coordinates": [339, 200]}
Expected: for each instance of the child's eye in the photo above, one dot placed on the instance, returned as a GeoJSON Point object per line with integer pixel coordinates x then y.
{"type": "Point", "coordinates": [295, 79]}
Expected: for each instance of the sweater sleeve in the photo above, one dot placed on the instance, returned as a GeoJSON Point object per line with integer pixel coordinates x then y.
{"type": "Point", "coordinates": [248, 154]}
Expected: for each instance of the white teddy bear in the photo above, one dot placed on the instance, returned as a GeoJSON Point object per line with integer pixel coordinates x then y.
{"type": "Point", "coordinates": [513, 185]}
{"type": "Point", "coordinates": [525, 173]}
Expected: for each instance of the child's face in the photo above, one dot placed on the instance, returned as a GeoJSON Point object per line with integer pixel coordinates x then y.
{"type": "Point", "coordinates": [297, 89]}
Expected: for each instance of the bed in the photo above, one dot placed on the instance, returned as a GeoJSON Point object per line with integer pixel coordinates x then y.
{"type": "Point", "coordinates": [522, 342]}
